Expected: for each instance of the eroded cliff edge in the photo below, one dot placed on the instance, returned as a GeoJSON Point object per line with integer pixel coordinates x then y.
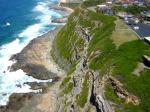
{"type": "Point", "coordinates": [100, 74]}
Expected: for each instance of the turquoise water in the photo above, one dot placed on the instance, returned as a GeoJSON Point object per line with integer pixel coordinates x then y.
{"type": "Point", "coordinates": [20, 22]}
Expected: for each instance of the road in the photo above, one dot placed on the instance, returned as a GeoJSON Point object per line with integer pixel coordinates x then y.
{"type": "Point", "coordinates": [143, 31]}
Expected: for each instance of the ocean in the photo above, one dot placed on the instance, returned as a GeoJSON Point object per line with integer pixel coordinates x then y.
{"type": "Point", "coordinates": [20, 22]}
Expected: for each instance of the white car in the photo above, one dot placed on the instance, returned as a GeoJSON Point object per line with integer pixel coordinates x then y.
{"type": "Point", "coordinates": [136, 27]}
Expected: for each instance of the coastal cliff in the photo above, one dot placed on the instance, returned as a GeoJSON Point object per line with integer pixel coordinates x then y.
{"type": "Point", "coordinates": [99, 69]}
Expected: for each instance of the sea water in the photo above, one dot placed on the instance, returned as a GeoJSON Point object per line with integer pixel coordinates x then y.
{"type": "Point", "coordinates": [20, 22]}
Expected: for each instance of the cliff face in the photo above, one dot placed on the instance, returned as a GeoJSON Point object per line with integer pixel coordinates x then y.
{"type": "Point", "coordinates": [99, 74]}
{"type": "Point", "coordinates": [80, 86]}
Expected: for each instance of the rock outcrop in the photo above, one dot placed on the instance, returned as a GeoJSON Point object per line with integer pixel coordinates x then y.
{"type": "Point", "coordinates": [122, 93]}
{"type": "Point", "coordinates": [35, 58]}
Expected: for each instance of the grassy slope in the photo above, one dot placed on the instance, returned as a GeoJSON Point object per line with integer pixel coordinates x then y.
{"type": "Point", "coordinates": [66, 37]}
{"type": "Point", "coordinates": [122, 60]}
{"type": "Point", "coordinates": [82, 97]}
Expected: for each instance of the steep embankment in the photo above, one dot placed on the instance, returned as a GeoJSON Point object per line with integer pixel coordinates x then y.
{"type": "Point", "coordinates": [100, 73]}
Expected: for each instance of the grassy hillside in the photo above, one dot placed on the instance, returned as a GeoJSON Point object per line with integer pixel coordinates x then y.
{"type": "Point", "coordinates": [106, 55]}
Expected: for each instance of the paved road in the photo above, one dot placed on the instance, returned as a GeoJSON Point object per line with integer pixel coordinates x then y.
{"type": "Point", "coordinates": [143, 31]}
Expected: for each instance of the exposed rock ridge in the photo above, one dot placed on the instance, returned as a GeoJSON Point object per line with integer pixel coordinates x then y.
{"type": "Point", "coordinates": [122, 93]}
{"type": "Point", "coordinates": [96, 99]}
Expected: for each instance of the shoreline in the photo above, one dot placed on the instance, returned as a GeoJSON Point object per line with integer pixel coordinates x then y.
{"type": "Point", "coordinates": [35, 59]}
{"type": "Point", "coordinates": [22, 62]}
{"type": "Point", "coordinates": [33, 64]}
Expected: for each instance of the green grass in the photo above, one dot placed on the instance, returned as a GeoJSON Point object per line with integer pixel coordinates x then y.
{"type": "Point", "coordinates": [110, 94]}
{"type": "Point", "coordinates": [68, 77]}
{"type": "Point", "coordinates": [89, 3]}
{"type": "Point", "coordinates": [81, 98]}
{"type": "Point", "coordinates": [71, 5]}
{"type": "Point", "coordinates": [65, 81]}
{"type": "Point", "coordinates": [66, 38]}
{"type": "Point", "coordinates": [122, 59]}
{"type": "Point", "coordinates": [140, 87]}
{"type": "Point", "coordinates": [68, 88]}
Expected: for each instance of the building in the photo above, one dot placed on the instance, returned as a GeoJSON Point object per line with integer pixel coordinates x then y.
{"type": "Point", "coordinates": [124, 15]}
{"type": "Point", "coordinates": [106, 9]}
{"type": "Point", "coordinates": [147, 39]}
{"type": "Point", "coordinates": [130, 2]}
{"type": "Point", "coordinates": [146, 60]}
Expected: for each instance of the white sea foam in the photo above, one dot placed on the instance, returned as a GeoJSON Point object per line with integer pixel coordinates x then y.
{"type": "Point", "coordinates": [8, 24]}
{"type": "Point", "coordinates": [10, 80]}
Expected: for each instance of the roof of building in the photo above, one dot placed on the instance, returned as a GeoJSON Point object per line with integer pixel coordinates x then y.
{"type": "Point", "coordinates": [102, 5]}
{"type": "Point", "coordinates": [147, 38]}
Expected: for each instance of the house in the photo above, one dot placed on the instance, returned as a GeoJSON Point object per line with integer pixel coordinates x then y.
{"type": "Point", "coordinates": [122, 15]}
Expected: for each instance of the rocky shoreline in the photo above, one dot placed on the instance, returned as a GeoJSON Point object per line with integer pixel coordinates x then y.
{"type": "Point", "coordinates": [36, 61]}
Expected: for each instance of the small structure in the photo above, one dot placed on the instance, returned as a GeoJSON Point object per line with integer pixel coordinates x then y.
{"type": "Point", "coordinates": [109, 2]}
{"type": "Point", "coordinates": [147, 39]}
{"type": "Point", "coordinates": [106, 9]}
{"type": "Point", "coordinates": [122, 14]}
{"type": "Point", "coordinates": [146, 60]}
{"type": "Point", "coordinates": [125, 15]}
{"type": "Point", "coordinates": [103, 6]}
